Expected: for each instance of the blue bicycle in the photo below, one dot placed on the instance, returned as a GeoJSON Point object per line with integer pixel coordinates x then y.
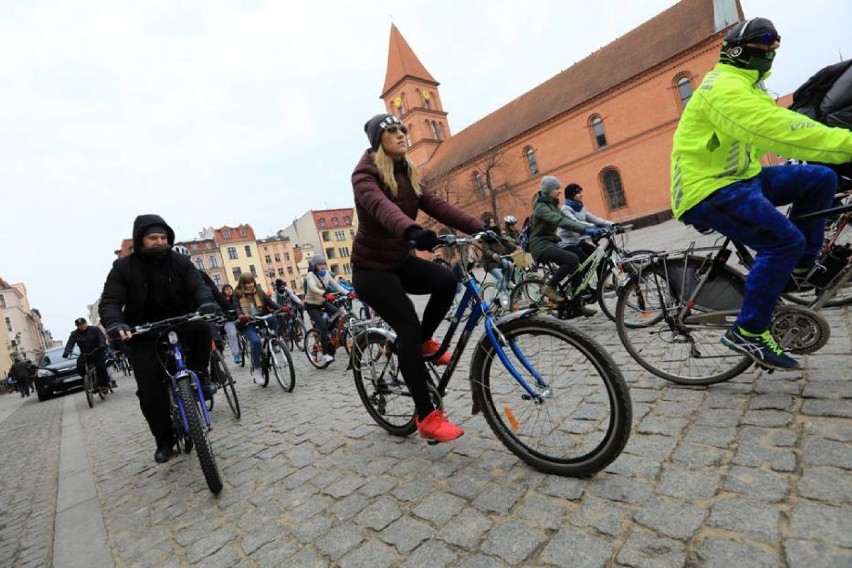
{"type": "Point", "coordinates": [556, 399]}
{"type": "Point", "coordinates": [190, 419]}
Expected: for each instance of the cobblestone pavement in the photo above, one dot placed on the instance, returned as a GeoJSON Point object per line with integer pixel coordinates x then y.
{"type": "Point", "coordinates": [753, 472]}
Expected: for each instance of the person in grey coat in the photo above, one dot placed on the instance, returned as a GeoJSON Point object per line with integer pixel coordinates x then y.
{"type": "Point", "coordinates": [574, 208]}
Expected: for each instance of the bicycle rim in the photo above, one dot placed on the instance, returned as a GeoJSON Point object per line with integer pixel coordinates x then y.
{"type": "Point", "coordinates": [688, 355]}
{"type": "Point", "coordinates": [380, 385]}
{"type": "Point", "coordinates": [527, 294]}
{"type": "Point", "coordinates": [313, 349]}
{"type": "Point", "coordinates": [88, 384]}
{"type": "Point", "coordinates": [198, 431]}
{"type": "Point", "coordinates": [581, 422]}
{"type": "Point", "coordinates": [282, 364]}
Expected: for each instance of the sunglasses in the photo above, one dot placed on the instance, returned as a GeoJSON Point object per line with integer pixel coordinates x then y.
{"type": "Point", "coordinates": [395, 129]}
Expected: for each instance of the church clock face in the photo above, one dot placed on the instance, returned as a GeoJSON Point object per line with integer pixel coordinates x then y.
{"type": "Point", "coordinates": [397, 102]}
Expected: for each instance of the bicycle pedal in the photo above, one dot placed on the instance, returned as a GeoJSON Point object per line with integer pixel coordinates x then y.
{"type": "Point", "coordinates": [432, 442]}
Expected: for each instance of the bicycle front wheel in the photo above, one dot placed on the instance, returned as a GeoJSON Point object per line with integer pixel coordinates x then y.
{"type": "Point", "coordinates": [313, 349]}
{"type": "Point", "coordinates": [645, 318]}
{"type": "Point", "coordinates": [613, 278]}
{"type": "Point", "coordinates": [527, 294]}
{"type": "Point", "coordinates": [282, 365]}
{"type": "Point", "coordinates": [578, 419]}
{"type": "Point", "coordinates": [198, 432]}
{"type": "Point", "coordinates": [220, 373]}
{"type": "Point", "coordinates": [89, 385]}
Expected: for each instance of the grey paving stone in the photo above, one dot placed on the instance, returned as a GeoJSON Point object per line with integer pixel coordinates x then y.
{"type": "Point", "coordinates": [748, 517]}
{"type": "Point", "coordinates": [829, 408]}
{"type": "Point", "coordinates": [815, 555]}
{"type": "Point", "coordinates": [339, 540]}
{"type": "Point", "coordinates": [671, 517]}
{"type": "Point", "coordinates": [512, 541]}
{"type": "Point", "coordinates": [822, 523]}
{"type": "Point", "coordinates": [668, 426]}
{"type": "Point", "coordinates": [819, 451]}
{"type": "Point", "coordinates": [758, 456]}
{"type": "Point", "coordinates": [697, 456]}
{"type": "Point", "coordinates": [481, 561]}
{"type": "Point", "coordinates": [719, 417]}
{"type": "Point", "coordinates": [646, 551]}
{"type": "Point", "coordinates": [773, 401]}
{"type": "Point", "coordinates": [688, 484]}
{"type": "Point", "coordinates": [757, 484]}
{"type": "Point", "coordinates": [651, 446]}
{"type": "Point", "coordinates": [349, 506]}
{"type": "Point", "coordinates": [311, 529]}
{"type": "Point", "coordinates": [769, 418]}
{"type": "Point", "coordinates": [438, 508]}
{"type": "Point", "coordinates": [544, 512]}
{"type": "Point", "coordinates": [431, 553]}
{"type": "Point", "coordinates": [831, 485]}
{"type": "Point", "coordinates": [406, 534]}
{"type": "Point", "coordinates": [628, 464]}
{"type": "Point", "coordinates": [465, 529]}
{"type": "Point", "coordinates": [371, 554]}
{"type": "Point", "coordinates": [605, 516]}
{"type": "Point", "coordinates": [719, 437]}
{"type": "Point", "coordinates": [622, 489]}
{"type": "Point", "coordinates": [717, 552]}
{"type": "Point", "coordinates": [565, 487]}
{"type": "Point", "coordinates": [572, 548]}
{"type": "Point", "coordinates": [498, 501]}
{"type": "Point", "coordinates": [379, 514]}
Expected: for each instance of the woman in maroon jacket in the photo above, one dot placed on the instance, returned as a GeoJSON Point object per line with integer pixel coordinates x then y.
{"type": "Point", "coordinates": [388, 196]}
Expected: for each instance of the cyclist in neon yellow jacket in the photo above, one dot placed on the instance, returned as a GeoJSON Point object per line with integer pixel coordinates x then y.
{"type": "Point", "coordinates": [717, 180]}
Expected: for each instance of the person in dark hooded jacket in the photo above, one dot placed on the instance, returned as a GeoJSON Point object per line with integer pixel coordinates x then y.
{"type": "Point", "coordinates": [151, 284]}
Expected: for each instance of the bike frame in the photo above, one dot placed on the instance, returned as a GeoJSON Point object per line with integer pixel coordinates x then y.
{"type": "Point", "coordinates": [184, 372]}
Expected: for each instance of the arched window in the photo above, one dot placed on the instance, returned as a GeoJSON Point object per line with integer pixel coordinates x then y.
{"type": "Point", "coordinates": [334, 221]}
{"type": "Point", "coordinates": [199, 263]}
{"type": "Point", "coordinates": [408, 137]}
{"type": "Point", "coordinates": [479, 184]}
{"type": "Point", "coordinates": [613, 190]}
{"type": "Point", "coordinates": [213, 263]}
{"type": "Point", "coordinates": [530, 155]}
{"type": "Point", "coordinates": [322, 222]}
{"type": "Point", "coordinates": [434, 126]}
{"type": "Point", "coordinates": [439, 128]}
{"type": "Point", "coordinates": [684, 89]}
{"type": "Point", "coordinates": [596, 122]}
{"type": "Point", "coordinates": [426, 100]}
{"type": "Point", "coordinates": [347, 220]}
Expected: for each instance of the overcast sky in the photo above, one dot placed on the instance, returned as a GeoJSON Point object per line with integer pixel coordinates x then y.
{"type": "Point", "coordinates": [226, 112]}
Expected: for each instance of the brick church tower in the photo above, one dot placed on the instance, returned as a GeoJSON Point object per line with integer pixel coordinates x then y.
{"type": "Point", "coordinates": [411, 93]}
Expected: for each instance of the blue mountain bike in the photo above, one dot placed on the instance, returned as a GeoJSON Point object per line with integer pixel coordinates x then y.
{"type": "Point", "coordinates": [190, 419]}
{"type": "Point", "coordinates": [549, 392]}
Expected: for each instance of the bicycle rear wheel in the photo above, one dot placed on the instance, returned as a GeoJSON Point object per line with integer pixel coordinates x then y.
{"type": "Point", "coordinates": [282, 366]}
{"type": "Point", "coordinates": [287, 337]}
{"type": "Point", "coordinates": [198, 432]}
{"type": "Point", "coordinates": [580, 420]}
{"type": "Point", "coordinates": [220, 373]}
{"type": "Point", "coordinates": [380, 384]}
{"type": "Point", "coordinates": [645, 317]}
{"type": "Point", "coordinates": [613, 278]}
{"type": "Point", "coordinates": [313, 349]}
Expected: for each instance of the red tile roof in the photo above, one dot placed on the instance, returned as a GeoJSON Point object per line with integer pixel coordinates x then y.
{"type": "Point", "coordinates": [682, 26]}
{"type": "Point", "coordinates": [328, 214]}
{"type": "Point", "coordinates": [403, 63]}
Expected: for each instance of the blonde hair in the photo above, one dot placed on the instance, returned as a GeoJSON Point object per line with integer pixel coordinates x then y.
{"type": "Point", "coordinates": [384, 164]}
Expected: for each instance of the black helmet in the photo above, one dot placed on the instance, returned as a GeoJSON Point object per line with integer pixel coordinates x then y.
{"type": "Point", "coordinates": [78, 321]}
{"type": "Point", "coordinates": [738, 51]}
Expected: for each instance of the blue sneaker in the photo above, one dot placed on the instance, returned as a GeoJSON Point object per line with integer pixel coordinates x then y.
{"type": "Point", "coordinates": [237, 359]}
{"type": "Point", "coordinates": [760, 347]}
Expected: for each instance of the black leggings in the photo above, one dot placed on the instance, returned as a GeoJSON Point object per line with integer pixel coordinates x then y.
{"type": "Point", "coordinates": [567, 261]}
{"type": "Point", "coordinates": [386, 292]}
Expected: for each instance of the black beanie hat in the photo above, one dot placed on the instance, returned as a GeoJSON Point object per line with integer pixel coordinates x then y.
{"type": "Point", "coordinates": [155, 229]}
{"type": "Point", "coordinates": [571, 190]}
{"type": "Point", "coordinates": [376, 125]}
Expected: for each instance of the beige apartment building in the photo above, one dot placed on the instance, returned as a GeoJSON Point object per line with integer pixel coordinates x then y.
{"type": "Point", "coordinates": [278, 259]}
{"type": "Point", "coordinates": [239, 252]}
{"type": "Point", "coordinates": [329, 231]}
{"type": "Point", "coordinates": [25, 334]}
{"type": "Point", "coordinates": [206, 255]}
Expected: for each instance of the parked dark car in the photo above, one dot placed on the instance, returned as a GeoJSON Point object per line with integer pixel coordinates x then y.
{"type": "Point", "coordinates": [56, 374]}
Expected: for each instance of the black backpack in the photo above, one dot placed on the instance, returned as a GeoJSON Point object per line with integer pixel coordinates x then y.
{"type": "Point", "coordinates": [808, 98]}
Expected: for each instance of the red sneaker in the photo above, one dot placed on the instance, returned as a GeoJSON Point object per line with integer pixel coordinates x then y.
{"type": "Point", "coordinates": [436, 427]}
{"type": "Point", "coordinates": [431, 346]}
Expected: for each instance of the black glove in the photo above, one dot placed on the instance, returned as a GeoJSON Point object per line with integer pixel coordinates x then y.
{"type": "Point", "coordinates": [489, 236]}
{"type": "Point", "coordinates": [423, 239]}
{"type": "Point", "coordinates": [66, 355]}
{"type": "Point", "coordinates": [207, 309]}
{"type": "Point", "coordinates": [115, 328]}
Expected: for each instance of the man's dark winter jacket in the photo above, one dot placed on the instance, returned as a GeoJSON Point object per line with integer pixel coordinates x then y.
{"type": "Point", "coordinates": [21, 370]}
{"type": "Point", "coordinates": [143, 288]}
{"type": "Point", "coordinates": [89, 340]}
{"type": "Point", "coordinates": [380, 242]}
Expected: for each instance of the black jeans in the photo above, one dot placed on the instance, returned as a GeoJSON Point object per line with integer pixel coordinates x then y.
{"type": "Point", "coordinates": [567, 261]}
{"type": "Point", "coordinates": [145, 355]}
{"type": "Point", "coordinates": [318, 317]}
{"type": "Point", "coordinates": [387, 293]}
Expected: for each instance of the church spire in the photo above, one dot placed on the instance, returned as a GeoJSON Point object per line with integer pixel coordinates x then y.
{"type": "Point", "coordinates": [411, 93]}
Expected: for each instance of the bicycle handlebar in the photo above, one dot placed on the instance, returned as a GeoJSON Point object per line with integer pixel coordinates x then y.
{"type": "Point", "coordinates": [170, 322]}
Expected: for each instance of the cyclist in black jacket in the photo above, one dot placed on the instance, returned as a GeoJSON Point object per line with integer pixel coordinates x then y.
{"type": "Point", "coordinates": [151, 284]}
{"type": "Point", "coordinates": [92, 343]}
